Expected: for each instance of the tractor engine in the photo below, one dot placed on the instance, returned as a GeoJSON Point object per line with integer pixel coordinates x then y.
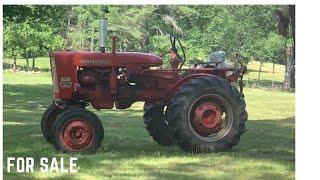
{"type": "Point", "coordinates": [144, 85]}
{"type": "Point", "coordinates": [89, 78]}
{"type": "Point", "coordinates": [94, 83]}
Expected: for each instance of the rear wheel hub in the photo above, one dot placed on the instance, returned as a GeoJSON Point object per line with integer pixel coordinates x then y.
{"type": "Point", "coordinates": [207, 118]}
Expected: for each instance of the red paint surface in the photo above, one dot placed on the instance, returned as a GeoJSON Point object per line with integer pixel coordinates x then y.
{"type": "Point", "coordinates": [120, 77]}
{"type": "Point", "coordinates": [207, 118]}
{"type": "Point", "coordinates": [77, 134]}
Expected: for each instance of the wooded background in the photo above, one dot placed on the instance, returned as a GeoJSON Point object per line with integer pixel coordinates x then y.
{"type": "Point", "coordinates": [261, 33]}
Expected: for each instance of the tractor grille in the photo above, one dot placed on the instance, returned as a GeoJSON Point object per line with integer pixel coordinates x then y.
{"type": "Point", "coordinates": [54, 75]}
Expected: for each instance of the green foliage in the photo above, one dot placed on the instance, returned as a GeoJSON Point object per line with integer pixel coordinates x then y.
{"type": "Point", "coordinates": [248, 30]}
{"type": "Point", "coordinates": [270, 49]}
{"type": "Point", "coordinates": [31, 31]}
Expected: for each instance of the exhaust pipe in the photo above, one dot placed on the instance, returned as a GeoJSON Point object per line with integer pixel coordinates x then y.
{"type": "Point", "coordinates": [102, 34]}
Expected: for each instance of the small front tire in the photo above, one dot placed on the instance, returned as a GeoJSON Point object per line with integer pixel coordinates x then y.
{"type": "Point", "coordinates": [77, 130]}
{"type": "Point", "coordinates": [48, 117]}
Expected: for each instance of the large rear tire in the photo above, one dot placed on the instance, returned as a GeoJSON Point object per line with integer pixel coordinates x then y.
{"type": "Point", "coordinates": [156, 124]}
{"type": "Point", "coordinates": [48, 117]}
{"type": "Point", "coordinates": [207, 114]}
{"type": "Point", "coordinates": [77, 130]}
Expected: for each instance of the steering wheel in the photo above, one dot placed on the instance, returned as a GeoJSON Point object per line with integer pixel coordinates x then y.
{"type": "Point", "coordinates": [174, 51]}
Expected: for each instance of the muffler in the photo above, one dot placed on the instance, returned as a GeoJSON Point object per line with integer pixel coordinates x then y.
{"type": "Point", "coordinates": [102, 34]}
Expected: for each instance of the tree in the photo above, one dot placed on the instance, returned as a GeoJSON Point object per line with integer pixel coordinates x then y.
{"type": "Point", "coordinates": [246, 30]}
{"type": "Point", "coordinates": [32, 33]}
{"type": "Point", "coordinates": [286, 27]}
{"type": "Point", "coordinates": [11, 48]}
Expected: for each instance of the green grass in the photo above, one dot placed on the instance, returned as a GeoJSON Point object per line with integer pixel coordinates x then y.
{"type": "Point", "coordinates": [266, 151]}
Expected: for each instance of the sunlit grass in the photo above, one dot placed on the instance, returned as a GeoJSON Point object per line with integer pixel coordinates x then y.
{"type": "Point", "coordinates": [266, 150]}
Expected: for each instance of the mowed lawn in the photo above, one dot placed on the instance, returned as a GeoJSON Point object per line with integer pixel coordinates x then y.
{"type": "Point", "coordinates": [266, 150]}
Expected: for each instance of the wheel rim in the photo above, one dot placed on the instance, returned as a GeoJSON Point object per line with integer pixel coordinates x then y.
{"type": "Point", "coordinates": [207, 118]}
{"type": "Point", "coordinates": [210, 117]}
{"type": "Point", "coordinates": [77, 134]}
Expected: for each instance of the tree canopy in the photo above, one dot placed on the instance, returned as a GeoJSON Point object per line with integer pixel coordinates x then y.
{"type": "Point", "coordinates": [251, 31]}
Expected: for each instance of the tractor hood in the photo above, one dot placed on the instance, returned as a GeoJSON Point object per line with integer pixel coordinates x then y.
{"type": "Point", "coordinates": [108, 59]}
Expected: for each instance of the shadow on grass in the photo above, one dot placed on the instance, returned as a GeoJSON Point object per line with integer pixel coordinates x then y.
{"type": "Point", "coordinates": [266, 141]}
{"type": "Point", "coordinates": [126, 140]}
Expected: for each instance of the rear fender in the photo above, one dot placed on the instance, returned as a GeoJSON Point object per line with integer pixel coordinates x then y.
{"type": "Point", "coordinates": [185, 79]}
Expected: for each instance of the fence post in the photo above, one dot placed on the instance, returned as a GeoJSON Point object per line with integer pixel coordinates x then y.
{"type": "Point", "coordinates": [273, 66]}
{"type": "Point", "coordinates": [259, 73]}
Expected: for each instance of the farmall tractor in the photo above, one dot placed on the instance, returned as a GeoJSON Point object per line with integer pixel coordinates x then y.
{"type": "Point", "coordinates": [198, 108]}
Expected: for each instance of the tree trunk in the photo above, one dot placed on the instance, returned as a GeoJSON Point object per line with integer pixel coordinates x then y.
{"type": "Point", "coordinates": [92, 41]}
{"type": "Point", "coordinates": [33, 62]}
{"type": "Point", "coordinates": [293, 73]}
{"type": "Point", "coordinates": [69, 42]}
{"type": "Point", "coordinates": [27, 61]}
{"type": "Point", "coordinates": [289, 77]}
{"type": "Point", "coordinates": [287, 29]}
{"type": "Point", "coordinates": [14, 62]}
{"type": "Point", "coordinates": [260, 67]}
{"type": "Point", "coordinates": [82, 46]}
{"type": "Point", "coordinates": [145, 43]}
{"type": "Point", "coordinates": [148, 43]}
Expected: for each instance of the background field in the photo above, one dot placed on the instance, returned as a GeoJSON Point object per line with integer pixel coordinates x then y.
{"type": "Point", "coordinates": [266, 151]}
{"type": "Point", "coordinates": [251, 78]}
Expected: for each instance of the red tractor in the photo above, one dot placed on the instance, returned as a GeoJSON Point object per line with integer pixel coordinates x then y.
{"type": "Point", "coordinates": [198, 108]}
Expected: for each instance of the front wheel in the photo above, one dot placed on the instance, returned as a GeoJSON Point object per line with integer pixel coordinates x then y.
{"type": "Point", "coordinates": [207, 114]}
{"type": "Point", "coordinates": [77, 130]}
{"type": "Point", "coordinates": [48, 117]}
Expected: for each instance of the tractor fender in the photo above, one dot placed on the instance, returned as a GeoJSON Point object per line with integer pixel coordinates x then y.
{"type": "Point", "coordinates": [185, 79]}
